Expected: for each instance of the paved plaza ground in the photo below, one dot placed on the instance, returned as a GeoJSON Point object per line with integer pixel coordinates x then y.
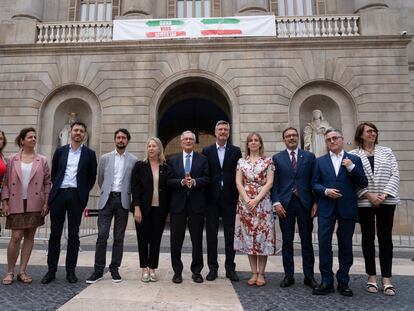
{"type": "Point", "coordinates": [132, 294]}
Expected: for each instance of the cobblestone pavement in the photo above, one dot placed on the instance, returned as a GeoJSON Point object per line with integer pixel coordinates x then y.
{"type": "Point", "coordinates": [299, 296]}
{"type": "Point", "coordinates": [39, 297]}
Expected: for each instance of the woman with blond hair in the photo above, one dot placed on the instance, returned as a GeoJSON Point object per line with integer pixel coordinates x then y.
{"type": "Point", "coordinates": [150, 206]}
{"type": "Point", "coordinates": [255, 226]}
{"type": "Point", "coordinates": [25, 196]}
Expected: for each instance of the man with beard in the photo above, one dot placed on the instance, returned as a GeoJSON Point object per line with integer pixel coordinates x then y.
{"type": "Point", "coordinates": [114, 179]}
{"type": "Point", "coordinates": [293, 202]}
{"type": "Point", "coordinates": [73, 176]}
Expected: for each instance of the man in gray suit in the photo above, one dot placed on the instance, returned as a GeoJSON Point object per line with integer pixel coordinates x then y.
{"type": "Point", "coordinates": [114, 179]}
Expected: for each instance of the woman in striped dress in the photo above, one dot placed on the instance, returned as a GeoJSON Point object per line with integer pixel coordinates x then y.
{"type": "Point", "coordinates": [377, 204]}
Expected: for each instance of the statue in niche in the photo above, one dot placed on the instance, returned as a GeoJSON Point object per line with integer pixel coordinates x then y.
{"type": "Point", "coordinates": [64, 135]}
{"type": "Point", "coordinates": [314, 134]}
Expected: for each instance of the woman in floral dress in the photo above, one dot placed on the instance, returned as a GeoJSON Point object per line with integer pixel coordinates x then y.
{"type": "Point", "coordinates": [255, 227]}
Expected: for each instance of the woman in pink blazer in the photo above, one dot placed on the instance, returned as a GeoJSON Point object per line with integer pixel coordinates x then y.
{"type": "Point", "coordinates": [24, 195]}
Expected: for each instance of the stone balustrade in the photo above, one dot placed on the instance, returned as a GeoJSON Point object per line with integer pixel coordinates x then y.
{"type": "Point", "coordinates": [286, 27]}
{"type": "Point", "coordinates": [70, 32]}
{"type": "Point", "coordinates": [317, 26]}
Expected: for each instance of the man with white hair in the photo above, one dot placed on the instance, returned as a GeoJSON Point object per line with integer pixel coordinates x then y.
{"type": "Point", "coordinates": [187, 177]}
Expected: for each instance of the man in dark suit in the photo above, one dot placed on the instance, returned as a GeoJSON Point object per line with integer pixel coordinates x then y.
{"type": "Point", "coordinates": [73, 176]}
{"type": "Point", "coordinates": [335, 180]}
{"type": "Point", "coordinates": [293, 200]}
{"type": "Point", "coordinates": [221, 199]}
{"type": "Point", "coordinates": [187, 179]}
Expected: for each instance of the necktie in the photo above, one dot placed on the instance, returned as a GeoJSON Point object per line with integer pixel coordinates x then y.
{"type": "Point", "coordinates": [293, 160]}
{"type": "Point", "coordinates": [187, 166]}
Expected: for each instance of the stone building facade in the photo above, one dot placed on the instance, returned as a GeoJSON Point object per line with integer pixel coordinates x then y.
{"type": "Point", "coordinates": [357, 64]}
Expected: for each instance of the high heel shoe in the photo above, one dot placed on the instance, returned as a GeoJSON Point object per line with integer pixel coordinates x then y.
{"type": "Point", "coordinates": [252, 281]}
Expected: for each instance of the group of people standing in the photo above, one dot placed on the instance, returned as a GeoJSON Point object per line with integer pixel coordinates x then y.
{"type": "Point", "coordinates": [339, 188]}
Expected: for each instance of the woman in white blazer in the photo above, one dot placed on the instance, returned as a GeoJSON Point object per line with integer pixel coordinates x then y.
{"type": "Point", "coordinates": [377, 204]}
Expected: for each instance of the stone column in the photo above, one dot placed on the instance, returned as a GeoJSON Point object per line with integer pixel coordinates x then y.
{"type": "Point", "coordinates": [137, 8]}
{"type": "Point", "coordinates": [377, 19]}
{"type": "Point", "coordinates": [257, 5]}
{"type": "Point", "coordinates": [369, 4]}
{"type": "Point", "coordinates": [29, 9]}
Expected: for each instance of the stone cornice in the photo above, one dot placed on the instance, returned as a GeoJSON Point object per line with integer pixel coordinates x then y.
{"type": "Point", "coordinates": [209, 45]}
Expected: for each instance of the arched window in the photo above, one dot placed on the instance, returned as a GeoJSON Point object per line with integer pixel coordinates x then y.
{"type": "Point", "coordinates": [298, 7]}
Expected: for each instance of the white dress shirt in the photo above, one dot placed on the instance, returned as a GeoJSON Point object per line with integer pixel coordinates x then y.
{"type": "Point", "coordinates": [119, 166]}
{"type": "Point", "coordinates": [191, 158]}
{"type": "Point", "coordinates": [337, 162]}
{"type": "Point", "coordinates": [221, 152]}
{"type": "Point", "coordinates": [69, 181]}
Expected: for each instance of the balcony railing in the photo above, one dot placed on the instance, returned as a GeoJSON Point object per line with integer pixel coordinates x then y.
{"type": "Point", "coordinates": [286, 27]}
{"type": "Point", "coordinates": [317, 26]}
{"type": "Point", "coordinates": [74, 32]}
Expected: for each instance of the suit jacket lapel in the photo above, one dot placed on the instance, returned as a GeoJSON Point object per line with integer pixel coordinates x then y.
{"type": "Point", "coordinates": [17, 165]}
{"type": "Point", "coordinates": [111, 166]}
{"type": "Point", "coordinates": [299, 160]}
{"type": "Point", "coordinates": [82, 158]}
{"type": "Point", "coordinates": [342, 168]}
{"type": "Point", "coordinates": [193, 163]}
{"type": "Point", "coordinates": [330, 164]}
{"type": "Point", "coordinates": [35, 166]}
{"type": "Point", "coordinates": [286, 158]}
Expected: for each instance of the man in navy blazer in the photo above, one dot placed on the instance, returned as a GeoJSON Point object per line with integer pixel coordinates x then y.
{"type": "Point", "coordinates": [293, 200]}
{"type": "Point", "coordinates": [222, 198]}
{"type": "Point", "coordinates": [187, 178]}
{"type": "Point", "coordinates": [73, 176]}
{"type": "Point", "coordinates": [337, 175]}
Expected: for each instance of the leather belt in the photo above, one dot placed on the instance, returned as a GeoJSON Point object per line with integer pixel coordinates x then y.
{"type": "Point", "coordinates": [70, 189]}
{"type": "Point", "coordinates": [115, 194]}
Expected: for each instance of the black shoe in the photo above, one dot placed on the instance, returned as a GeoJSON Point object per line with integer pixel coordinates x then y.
{"type": "Point", "coordinates": [71, 277]}
{"type": "Point", "coordinates": [232, 275]}
{"type": "Point", "coordinates": [116, 277]}
{"type": "Point", "coordinates": [344, 290]}
{"type": "Point", "coordinates": [323, 289]}
{"type": "Point", "coordinates": [311, 282]}
{"type": "Point", "coordinates": [197, 278]}
{"type": "Point", "coordinates": [95, 277]}
{"type": "Point", "coordinates": [212, 275]}
{"type": "Point", "coordinates": [287, 281]}
{"type": "Point", "coordinates": [177, 278]}
{"type": "Point", "coordinates": [49, 277]}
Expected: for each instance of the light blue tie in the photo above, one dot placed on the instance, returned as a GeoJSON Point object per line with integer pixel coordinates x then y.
{"type": "Point", "coordinates": [187, 166]}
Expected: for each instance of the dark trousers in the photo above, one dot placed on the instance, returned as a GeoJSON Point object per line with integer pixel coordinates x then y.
{"type": "Point", "coordinates": [344, 233]}
{"type": "Point", "coordinates": [195, 226]}
{"type": "Point", "coordinates": [228, 214]}
{"type": "Point", "coordinates": [296, 211]}
{"type": "Point", "coordinates": [384, 218]}
{"type": "Point", "coordinates": [149, 234]}
{"type": "Point", "coordinates": [66, 202]}
{"type": "Point", "coordinates": [113, 209]}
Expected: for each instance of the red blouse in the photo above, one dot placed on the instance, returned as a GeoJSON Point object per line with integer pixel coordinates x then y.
{"type": "Point", "coordinates": [2, 168]}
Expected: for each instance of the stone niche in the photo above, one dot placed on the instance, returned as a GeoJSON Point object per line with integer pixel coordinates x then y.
{"type": "Point", "coordinates": [252, 6]}
{"type": "Point", "coordinates": [29, 9]}
{"type": "Point", "coordinates": [336, 105]}
{"type": "Point", "coordinates": [77, 109]}
{"type": "Point", "coordinates": [137, 8]}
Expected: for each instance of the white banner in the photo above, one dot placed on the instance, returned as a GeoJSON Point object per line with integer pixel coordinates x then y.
{"type": "Point", "coordinates": [237, 26]}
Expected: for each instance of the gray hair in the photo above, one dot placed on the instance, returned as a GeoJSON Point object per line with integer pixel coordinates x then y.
{"type": "Point", "coordinates": [187, 132]}
{"type": "Point", "coordinates": [334, 130]}
{"type": "Point", "coordinates": [222, 122]}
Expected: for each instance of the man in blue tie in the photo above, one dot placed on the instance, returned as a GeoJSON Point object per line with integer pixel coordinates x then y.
{"type": "Point", "coordinates": [336, 177]}
{"type": "Point", "coordinates": [293, 201]}
{"type": "Point", "coordinates": [187, 177]}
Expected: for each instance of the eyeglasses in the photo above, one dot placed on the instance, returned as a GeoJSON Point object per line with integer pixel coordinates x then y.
{"type": "Point", "coordinates": [332, 139]}
{"type": "Point", "coordinates": [371, 131]}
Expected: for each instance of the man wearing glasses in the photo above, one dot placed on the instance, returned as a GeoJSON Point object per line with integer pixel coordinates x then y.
{"type": "Point", "coordinates": [335, 180]}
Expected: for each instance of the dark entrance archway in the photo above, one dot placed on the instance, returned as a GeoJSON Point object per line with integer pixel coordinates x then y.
{"type": "Point", "coordinates": [194, 104]}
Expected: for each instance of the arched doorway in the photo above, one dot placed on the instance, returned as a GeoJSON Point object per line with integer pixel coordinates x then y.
{"type": "Point", "coordinates": [195, 104]}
